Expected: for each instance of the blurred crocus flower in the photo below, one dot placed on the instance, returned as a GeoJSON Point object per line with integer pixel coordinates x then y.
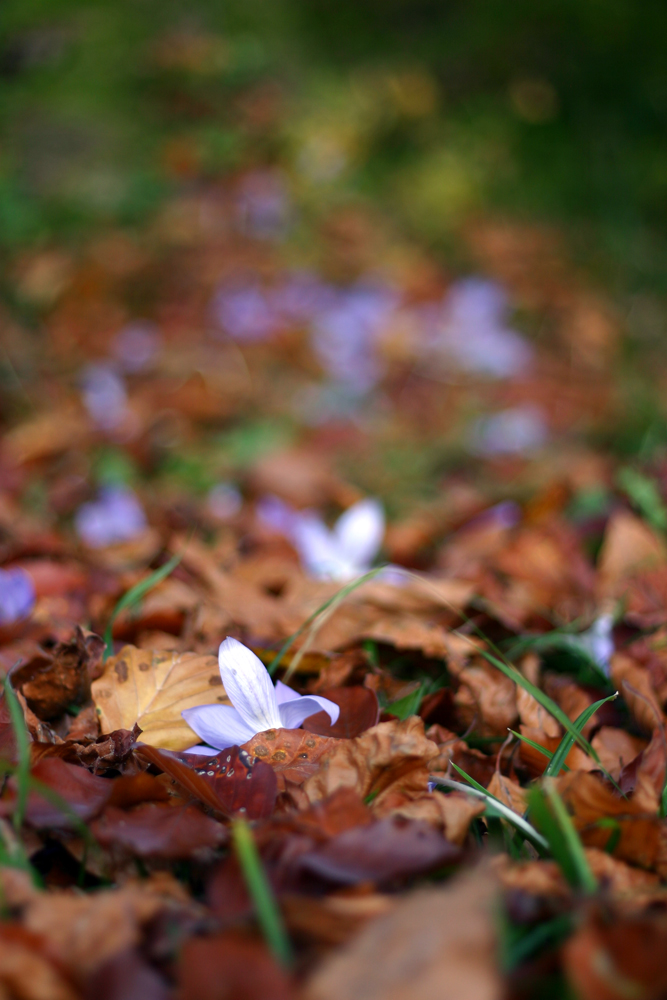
{"type": "Point", "coordinates": [258, 705]}
{"type": "Point", "coordinates": [340, 553]}
{"type": "Point", "coordinates": [519, 430]}
{"type": "Point", "coordinates": [262, 205]}
{"type": "Point", "coordinates": [17, 595]}
{"type": "Point", "coordinates": [117, 516]}
{"type": "Point", "coordinates": [136, 346]}
{"type": "Point", "coordinates": [245, 311]}
{"type": "Point", "coordinates": [345, 335]}
{"type": "Point", "coordinates": [472, 331]}
{"type": "Point", "coordinates": [104, 395]}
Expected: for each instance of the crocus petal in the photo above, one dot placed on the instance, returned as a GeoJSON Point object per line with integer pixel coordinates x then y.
{"type": "Point", "coordinates": [359, 532]}
{"type": "Point", "coordinates": [293, 713]}
{"type": "Point", "coordinates": [201, 750]}
{"type": "Point", "coordinates": [317, 547]}
{"type": "Point", "coordinates": [285, 693]}
{"type": "Point", "coordinates": [248, 687]}
{"type": "Point", "coordinates": [219, 725]}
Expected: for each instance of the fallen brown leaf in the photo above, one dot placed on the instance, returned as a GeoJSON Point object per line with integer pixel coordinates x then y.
{"type": "Point", "coordinates": [437, 944]}
{"type": "Point", "coordinates": [389, 762]}
{"type": "Point", "coordinates": [151, 688]}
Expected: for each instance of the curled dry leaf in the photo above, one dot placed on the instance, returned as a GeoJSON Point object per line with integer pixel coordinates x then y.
{"type": "Point", "coordinates": [62, 678]}
{"type": "Point", "coordinates": [109, 752]}
{"type": "Point", "coordinates": [634, 683]}
{"type": "Point", "coordinates": [437, 944]}
{"type": "Point", "coordinates": [151, 688]}
{"type": "Point", "coordinates": [487, 699]}
{"type": "Point", "coordinates": [635, 836]}
{"type": "Point", "coordinates": [389, 762]}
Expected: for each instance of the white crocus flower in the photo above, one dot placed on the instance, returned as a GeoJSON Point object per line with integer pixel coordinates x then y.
{"type": "Point", "coordinates": [258, 706]}
{"type": "Point", "coordinates": [343, 552]}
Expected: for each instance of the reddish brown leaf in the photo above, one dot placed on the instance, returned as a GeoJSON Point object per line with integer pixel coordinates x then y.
{"type": "Point", "coordinates": [246, 786]}
{"type": "Point", "coordinates": [84, 794]}
{"type": "Point", "coordinates": [231, 966]}
{"type": "Point", "coordinates": [359, 711]}
{"type": "Point", "coordinates": [154, 830]}
{"type": "Point", "coordinates": [383, 851]}
{"type": "Point", "coordinates": [292, 753]}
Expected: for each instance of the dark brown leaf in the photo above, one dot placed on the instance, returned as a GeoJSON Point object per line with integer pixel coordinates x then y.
{"type": "Point", "coordinates": [359, 711]}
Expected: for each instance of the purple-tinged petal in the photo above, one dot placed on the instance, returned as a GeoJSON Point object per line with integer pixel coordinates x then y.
{"type": "Point", "coordinates": [317, 547]}
{"type": "Point", "coordinates": [201, 750]}
{"type": "Point", "coordinates": [219, 725]}
{"type": "Point", "coordinates": [293, 713]}
{"type": "Point", "coordinates": [17, 595]}
{"type": "Point", "coordinates": [284, 693]}
{"type": "Point", "coordinates": [359, 532]}
{"type": "Point", "coordinates": [248, 686]}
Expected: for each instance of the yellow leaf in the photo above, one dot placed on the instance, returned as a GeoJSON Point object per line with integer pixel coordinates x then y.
{"type": "Point", "coordinates": [151, 688]}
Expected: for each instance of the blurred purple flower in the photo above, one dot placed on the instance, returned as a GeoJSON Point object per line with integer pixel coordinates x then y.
{"type": "Point", "coordinates": [519, 430]}
{"type": "Point", "coordinates": [245, 311]}
{"type": "Point", "coordinates": [341, 553]}
{"type": "Point", "coordinates": [262, 205]}
{"type": "Point", "coordinates": [345, 335]}
{"type": "Point", "coordinates": [104, 395]}
{"type": "Point", "coordinates": [117, 516]}
{"type": "Point", "coordinates": [17, 595]}
{"type": "Point", "coordinates": [136, 346]}
{"type": "Point", "coordinates": [472, 332]}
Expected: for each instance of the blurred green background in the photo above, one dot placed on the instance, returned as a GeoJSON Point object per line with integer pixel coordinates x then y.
{"type": "Point", "coordinates": [437, 110]}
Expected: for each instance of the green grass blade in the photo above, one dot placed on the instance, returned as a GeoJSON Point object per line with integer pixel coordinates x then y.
{"type": "Point", "coordinates": [531, 743]}
{"type": "Point", "coordinates": [339, 596]}
{"type": "Point", "coordinates": [135, 594]}
{"type": "Point", "coordinates": [557, 762]}
{"type": "Point", "coordinates": [479, 792]}
{"type": "Point", "coordinates": [543, 699]}
{"type": "Point", "coordinates": [554, 821]}
{"type": "Point", "coordinates": [260, 891]}
{"type": "Point", "coordinates": [22, 771]}
{"type": "Point", "coordinates": [405, 707]}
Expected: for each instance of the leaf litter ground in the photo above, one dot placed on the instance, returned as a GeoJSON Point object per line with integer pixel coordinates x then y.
{"type": "Point", "coordinates": [486, 817]}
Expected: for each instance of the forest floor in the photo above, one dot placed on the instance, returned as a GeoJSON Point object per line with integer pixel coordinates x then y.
{"type": "Point", "coordinates": [225, 422]}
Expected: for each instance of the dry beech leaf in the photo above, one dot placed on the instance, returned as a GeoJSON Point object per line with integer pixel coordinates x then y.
{"type": "Point", "coordinates": [634, 683]}
{"type": "Point", "coordinates": [437, 944]}
{"type": "Point", "coordinates": [640, 836]}
{"type": "Point", "coordinates": [389, 761]}
{"type": "Point", "coordinates": [83, 931]}
{"type": "Point", "coordinates": [294, 754]}
{"type": "Point", "coordinates": [629, 545]}
{"type": "Point", "coordinates": [151, 688]}
{"type": "Point", "coordinates": [27, 974]}
{"type": "Point", "coordinates": [615, 957]}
